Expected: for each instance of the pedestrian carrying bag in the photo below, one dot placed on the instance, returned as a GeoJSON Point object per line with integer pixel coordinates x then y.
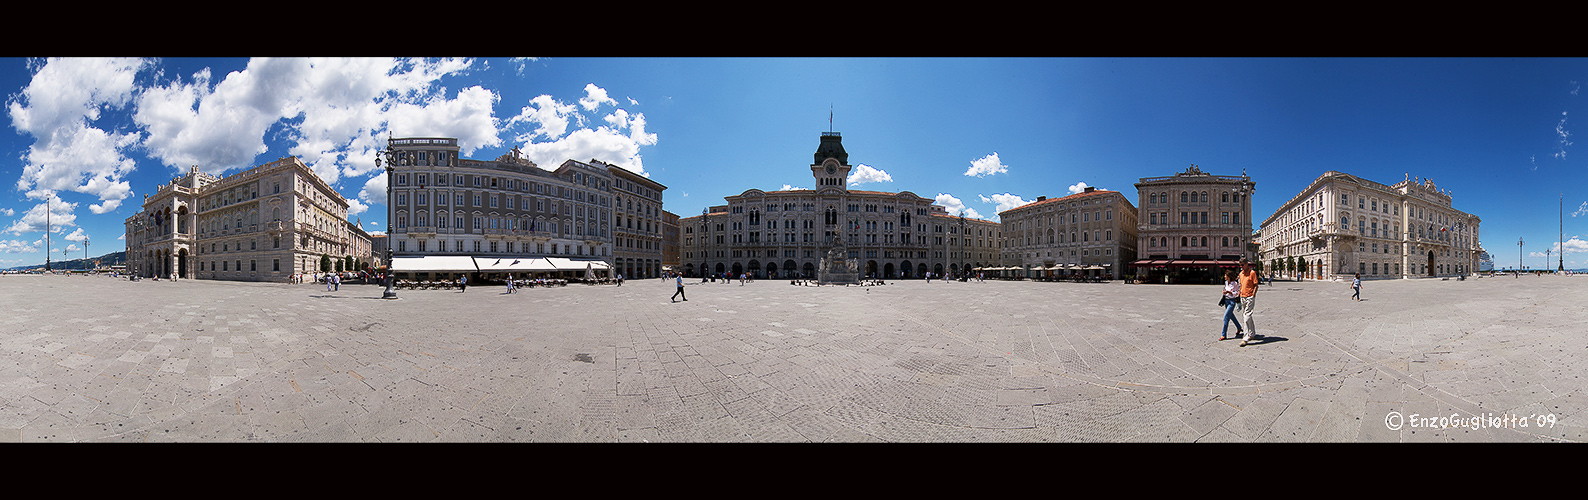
{"type": "Point", "coordinates": [1223, 301]}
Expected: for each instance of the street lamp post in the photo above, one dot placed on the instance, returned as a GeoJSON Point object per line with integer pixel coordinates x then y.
{"type": "Point", "coordinates": [46, 232]}
{"type": "Point", "coordinates": [705, 225]}
{"type": "Point", "coordinates": [1519, 265]}
{"type": "Point", "coordinates": [391, 215]}
{"type": "Point", "coordinates": [961, 252]}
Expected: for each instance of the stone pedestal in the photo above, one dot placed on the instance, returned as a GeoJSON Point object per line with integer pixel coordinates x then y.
{"type": "Point", "coordinates": [837, 269]}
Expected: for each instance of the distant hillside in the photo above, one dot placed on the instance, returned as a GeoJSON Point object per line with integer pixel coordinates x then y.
{"type": "Point", "coordinates": [107, 260]}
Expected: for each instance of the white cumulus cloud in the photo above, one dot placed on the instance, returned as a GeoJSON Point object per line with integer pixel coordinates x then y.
{"type": "Point", "coordinates": [1004, 201]}
{"type": "Point", "coordinates": [18, 246]}
{"type": "Point", "coordinates": [594, 97]}
{"type": "Point", "coordinates": [955, 206]}
{"type": "Point", "coordinates": [546, 119]}
{"type": "Point", "coordinates": [1080, 187]}
{"type": "Point", "coordinates": [985, 166]}
{"type": "Point", "coordinates": [864, 173]}
{"type": "Point", "coordinates": [57, 108]}
{"type": "Point", "coordinates": [60, 215]}
{"type": "Point", "coordinates": [338, 111]}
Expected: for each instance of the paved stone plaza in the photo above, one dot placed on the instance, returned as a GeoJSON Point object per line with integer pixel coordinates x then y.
{"type": "Point", "coordinates": [94, 359]}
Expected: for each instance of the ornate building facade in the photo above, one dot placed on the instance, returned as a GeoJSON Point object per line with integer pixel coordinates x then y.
{"type": "Point", "coordinates": [1191, 225]}
{"type": "Point", "coordinates": [1341, 225]}
{"type": "Point", "coordinates": [1092, 232]}
{"type": "Point", "coordinates": [637, 228]}
{"type": "Point", "coordinates": [262, 224]}
{"type": "Point", "coordinates": [585, 214]}
{"type": "Point", "coordinates": [786, 233]}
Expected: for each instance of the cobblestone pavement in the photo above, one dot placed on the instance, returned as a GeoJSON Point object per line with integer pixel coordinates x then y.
{"type": "Point", "coordinates": [93, 359]}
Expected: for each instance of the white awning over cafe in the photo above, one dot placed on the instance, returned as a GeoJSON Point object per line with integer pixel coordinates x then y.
{"type": "Point", "coordinates": [513, 264]}
{"type": "Point", "coordinates": [566, 264]}
{"type": "Point", "coordinates": [455, 263]}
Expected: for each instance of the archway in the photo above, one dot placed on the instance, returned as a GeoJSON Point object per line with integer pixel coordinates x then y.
{"type": "Point", "coordinates": [871, 269]}
{"type": "Point", "coordinates": [771, 270]}
{"type": "Point", "coordinates": [937, 270]}
{"type": "Point", "coordinates": [887, 270]}
{"type": "Point", "coordinates": [789, 267]}
{"type": "Point", "coordinates": [809, 270]}
{"type": "Point", "coordinates": [905, 270]}
{"type": "Point", "coordinates": [181, 262]}
{"type": "Point", "coordinates": [738, 269]}
{"type": "Point", "coordinates": [755, 269]}
{"type": "Point", "coordinates": [1431, 269]}
{"type": "Point", "coordinates": [720, 268]}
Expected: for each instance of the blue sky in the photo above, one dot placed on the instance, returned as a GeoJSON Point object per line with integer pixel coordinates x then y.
{"type": "Point", "coordinates": [980, 135]}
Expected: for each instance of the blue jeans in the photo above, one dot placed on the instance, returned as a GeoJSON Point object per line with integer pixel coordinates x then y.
{"type": "Point", "coordinates": [1229, 317]}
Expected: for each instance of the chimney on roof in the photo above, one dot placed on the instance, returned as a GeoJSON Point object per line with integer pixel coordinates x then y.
{"type": "Point", "coordinates": [1090, 189]}
{"type": "Point", "coordinates": [1042, 198]}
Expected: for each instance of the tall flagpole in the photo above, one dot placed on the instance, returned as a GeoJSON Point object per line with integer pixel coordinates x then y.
{"type": "Point", "coordinates": [1562, 263]}
{"type": "Point", "coordinates": [46, 232]}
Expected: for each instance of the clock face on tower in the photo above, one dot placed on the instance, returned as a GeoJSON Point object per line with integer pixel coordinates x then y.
{"type": "Point", "coordinates": [830, 169]}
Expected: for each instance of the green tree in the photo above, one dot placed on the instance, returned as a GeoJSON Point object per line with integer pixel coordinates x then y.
{"type": "Point", "coordinates": [325, 263]}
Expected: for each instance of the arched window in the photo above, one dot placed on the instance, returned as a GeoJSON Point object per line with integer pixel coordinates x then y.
{"type": "Point", "coordinates": [1184, 242]}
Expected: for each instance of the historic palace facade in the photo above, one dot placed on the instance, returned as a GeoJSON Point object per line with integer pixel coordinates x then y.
{"type": "Point", "coordinates": [1341, 225]}
{"type": "Point", "coordinates": [1092, 233]}
{"type": "Point", "coordinates": [787, 233]}
{"type": "Point", "coordinates": [1192, 225]}
{"type": "Point", "coordinates": [262, 224]}
{"type": "Point", "coordinates": [582, 215]}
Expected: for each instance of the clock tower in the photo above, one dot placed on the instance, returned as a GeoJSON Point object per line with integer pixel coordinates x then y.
{"type": "Point", "coordinates": [831, 168]}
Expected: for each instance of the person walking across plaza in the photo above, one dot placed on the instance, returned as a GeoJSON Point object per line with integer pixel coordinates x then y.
{"type": "Point", "coordinates": [1356, 288]}
{"type": "Point", "coordinates": [336, 286]}
{"type": "Point", "coordinates": [510, 283]}
{"type": "Point", "coordinates": [1232, 300]}
{"type": "Point", "coordinates": [1248, 295]}
{"type": "Point", "coordinates": [463, 283]}
{"type": "Point", "coordinates": [680, 292]}
{"type": "Point", "coordinates": [620, 279]}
